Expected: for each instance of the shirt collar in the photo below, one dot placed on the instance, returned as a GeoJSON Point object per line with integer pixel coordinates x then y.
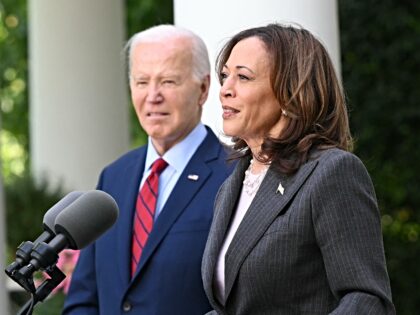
{"type": "Point", "coordinates": [179, 155]}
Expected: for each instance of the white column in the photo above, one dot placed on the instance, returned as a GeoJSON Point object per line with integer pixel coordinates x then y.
{"type": "Point", "coordinates": [78, 92]}
{"type": "Point", "coordinates": [217, 20]}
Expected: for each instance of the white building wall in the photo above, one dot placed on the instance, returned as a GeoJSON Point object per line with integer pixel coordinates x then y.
{"type": "Point", "coordinates": [217, 20]}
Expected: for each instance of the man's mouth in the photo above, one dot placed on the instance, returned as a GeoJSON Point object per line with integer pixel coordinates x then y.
{"type": "Point", "coordinates": [157, 114]}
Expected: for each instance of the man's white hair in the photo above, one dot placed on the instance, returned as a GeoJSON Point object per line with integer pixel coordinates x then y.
{"type": "Point", "coordinates": [161, 33]}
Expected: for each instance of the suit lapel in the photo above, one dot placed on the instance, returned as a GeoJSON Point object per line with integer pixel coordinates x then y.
{"type": "Point", "coordinates": [226, 202]}
{"type": "Point", "coordinates": [266, 206]}
{"type": "Point", "coordinates": [131, 179]}
{"type": "Point", "coordinates": [184, 191]}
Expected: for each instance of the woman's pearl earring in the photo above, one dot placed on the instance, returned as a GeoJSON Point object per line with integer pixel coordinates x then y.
{"type": "Point", "coordinates": [283, 111]}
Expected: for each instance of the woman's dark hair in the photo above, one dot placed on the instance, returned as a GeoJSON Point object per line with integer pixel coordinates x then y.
{"type": "Point", "coordinates": [308, 91]}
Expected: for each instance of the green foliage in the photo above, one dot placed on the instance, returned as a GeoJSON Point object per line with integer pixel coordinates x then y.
{"type": "Point", "coordinates": [380, 65]}
{"type": "Point", "coordinates": [14, 69]}
{"type": "Point", "coordinates": [381, 77]}
{"type": "Point", "coordinates": [13, 155]}
{"type": "Point", "coordinates": [26, 204]}
{"type": "Point", "coordinates": [51, 306]}
{"type": "Point", "coordinates": [147, 13]}
{"type": "Point", "coordinates": [402, 251]}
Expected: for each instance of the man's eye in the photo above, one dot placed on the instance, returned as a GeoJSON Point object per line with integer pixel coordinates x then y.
{"type": "Point", "coordinates": [141, 83]}
{"type": "Point", "coordinates": [168, 82]}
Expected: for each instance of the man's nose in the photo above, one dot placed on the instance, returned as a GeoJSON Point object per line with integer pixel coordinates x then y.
{"type": "Point", "coordinates": [154, 94]}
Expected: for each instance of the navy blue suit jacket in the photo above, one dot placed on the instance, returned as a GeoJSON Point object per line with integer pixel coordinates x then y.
{"type": "Point", "coordinates": [168, 279]}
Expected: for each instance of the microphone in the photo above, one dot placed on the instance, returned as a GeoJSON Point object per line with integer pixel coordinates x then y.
{"type": "Point", "coordinates": [49, 217]}
{"type": "Point", "coordinates": [75, 222]}
{"type": "Point", "coordinates": [78, 225]}
{"type": "Point", "coordinates": [87, 219]}
{"type": "Point", "coordinates": [23, 253]}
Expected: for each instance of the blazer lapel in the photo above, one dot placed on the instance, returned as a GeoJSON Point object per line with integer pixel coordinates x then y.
{"type": "Point", "coordinates": [266, 206]}
{"type": "Point", "coordinates": [132, 175]}
{"type": "Point", "coordinates": [185, 190]}
{"type": "Point", "coordinates": [226, 202]}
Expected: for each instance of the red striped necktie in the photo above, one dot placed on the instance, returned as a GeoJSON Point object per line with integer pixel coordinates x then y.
{"type": "Point", "coordinates": [145, 212]}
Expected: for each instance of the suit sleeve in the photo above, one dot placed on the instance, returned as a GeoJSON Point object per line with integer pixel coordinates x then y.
{"type": "Point", "coordinates": [82, 298]}
{"type": "Point", "coordinates": [82, 295]}
{"type": "Point", "coordinates": [348, 230]}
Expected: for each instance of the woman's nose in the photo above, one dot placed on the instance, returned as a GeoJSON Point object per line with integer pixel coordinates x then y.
{"type": "Point", "coordinates": [227, 89]}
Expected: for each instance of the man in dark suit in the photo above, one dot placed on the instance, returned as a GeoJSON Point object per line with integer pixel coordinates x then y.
{"type": "Point", "coordinates": [169, 80]}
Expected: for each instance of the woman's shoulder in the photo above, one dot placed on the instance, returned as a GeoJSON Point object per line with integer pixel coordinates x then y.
{"type": "Point", "coordinates": [332, 154]}
{"type": "Point", "coordinates": [338, 160]}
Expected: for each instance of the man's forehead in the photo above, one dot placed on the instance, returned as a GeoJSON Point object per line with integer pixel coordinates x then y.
{"type": "Point", "coordinates": [174, 44]}
{"type": "Point", "coordinates": [162, 75]}
{"type": "Point", "coordinates": [170, 62]}
{"type": "Point", "coordinates": [158, 53]}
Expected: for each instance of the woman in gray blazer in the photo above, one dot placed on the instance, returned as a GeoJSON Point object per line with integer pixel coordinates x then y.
{"type": "Point", "coordinates": [296, 228]}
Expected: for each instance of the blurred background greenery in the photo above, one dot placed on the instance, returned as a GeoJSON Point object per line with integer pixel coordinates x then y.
{"type": "Point", "coordinates": [381, 75]}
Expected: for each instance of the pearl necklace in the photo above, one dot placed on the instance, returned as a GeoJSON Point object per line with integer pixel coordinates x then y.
{"type": "Point", "coordinates": [253, 181]}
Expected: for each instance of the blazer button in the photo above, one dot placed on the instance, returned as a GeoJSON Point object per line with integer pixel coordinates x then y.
{"type": "Point", "coordinates": [127, 306]}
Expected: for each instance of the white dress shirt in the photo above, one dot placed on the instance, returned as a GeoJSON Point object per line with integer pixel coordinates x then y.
{"type": "Point", "coordinates": [177, 158]}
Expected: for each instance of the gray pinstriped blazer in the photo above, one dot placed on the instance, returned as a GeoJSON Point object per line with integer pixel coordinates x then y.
{"type": "Point", "coordinates": [315, 249]}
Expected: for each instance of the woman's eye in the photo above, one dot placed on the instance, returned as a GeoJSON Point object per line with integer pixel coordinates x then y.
{"type": "Point", "coordinates": [223, 76]}
{"type": "Point", "coordinates": [243, 77]}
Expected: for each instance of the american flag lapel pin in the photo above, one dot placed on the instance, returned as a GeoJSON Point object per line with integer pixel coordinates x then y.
{"type": "Point", "coordinates": [193, 177]}
{"type": "Point", "coordinates": [280, 189]}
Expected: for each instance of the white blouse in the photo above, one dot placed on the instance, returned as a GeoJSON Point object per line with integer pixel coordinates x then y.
{"type": "Point", "coordinates": [244, 202]}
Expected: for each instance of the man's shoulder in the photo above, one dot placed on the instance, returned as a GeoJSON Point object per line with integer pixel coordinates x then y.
{"type": "Point", "coordinates": [212, 149]}
{"type": "Point", "coordinates": [129, 157]}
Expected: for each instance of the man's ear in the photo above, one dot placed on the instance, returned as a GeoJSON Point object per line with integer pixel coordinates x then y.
{"type": "Point", "coordinates": [204, 88]}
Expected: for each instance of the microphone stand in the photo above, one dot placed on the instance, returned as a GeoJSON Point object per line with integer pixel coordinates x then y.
{"type": "Point", "coordinates": [56, 276]}
{"type": "Point", "coordinates": [44, 258]}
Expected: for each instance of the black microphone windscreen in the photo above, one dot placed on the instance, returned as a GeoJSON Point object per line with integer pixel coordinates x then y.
{"type": "Point", "coordinates": [87, 218]}
{"type": "Point", "coordinates": [54, 211]}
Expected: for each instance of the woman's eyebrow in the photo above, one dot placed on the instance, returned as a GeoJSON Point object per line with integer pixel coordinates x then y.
{"type": "Point", "coordinates": [245, 67]}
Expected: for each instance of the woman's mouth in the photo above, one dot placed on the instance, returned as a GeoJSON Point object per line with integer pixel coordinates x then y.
{"type": "Point", "coordinates": [229, 112]}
